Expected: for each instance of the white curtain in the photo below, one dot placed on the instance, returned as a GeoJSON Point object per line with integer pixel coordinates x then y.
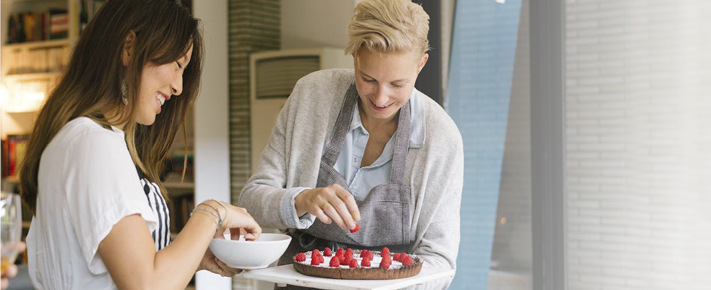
{"type": "Point", "coordinates": [638, 119]}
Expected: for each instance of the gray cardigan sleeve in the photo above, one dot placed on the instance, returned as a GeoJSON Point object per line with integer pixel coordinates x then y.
{"type": "Point", "coordinates": [437, 210]}
{"type": "Point", "coordinates": [290, 161]}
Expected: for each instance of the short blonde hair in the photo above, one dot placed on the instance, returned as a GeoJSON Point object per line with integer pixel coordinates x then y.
{"type": "Point", "coordinates": [388, 26]}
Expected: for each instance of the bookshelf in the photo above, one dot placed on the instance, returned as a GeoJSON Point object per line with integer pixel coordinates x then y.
{"type": "Point", "coordinates": [181, 191]}
{"type": "Point", "coordinates": [35, 43]}
{"type": "Point", "coordinates": [30, 67]}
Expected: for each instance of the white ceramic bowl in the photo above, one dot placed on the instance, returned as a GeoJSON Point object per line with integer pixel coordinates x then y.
{"type": "Point", "coordinates": [250, 255]}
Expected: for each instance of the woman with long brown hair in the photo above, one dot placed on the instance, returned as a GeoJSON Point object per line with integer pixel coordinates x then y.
{"type": "Point", "coordinates": [91, 172]}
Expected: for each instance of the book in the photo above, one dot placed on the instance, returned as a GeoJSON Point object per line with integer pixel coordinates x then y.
{"type": "Point", "coordinates": [16, 149]}
{"type": "Point", "coordinates": [58, 24]}
{"type": "Point", "coordinates": [30, 26]}
{"type": "Point", "coordinates": [4, 161]}
{"type": "Point", "coordinates": [15, 31]}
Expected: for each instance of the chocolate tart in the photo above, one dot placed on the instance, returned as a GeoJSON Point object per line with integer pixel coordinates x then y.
{"type": "Point", "coordinates": [374, 272]}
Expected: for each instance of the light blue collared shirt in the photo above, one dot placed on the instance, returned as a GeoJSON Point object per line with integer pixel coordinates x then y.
{"type": "Point", "coordinates": [361, 180]}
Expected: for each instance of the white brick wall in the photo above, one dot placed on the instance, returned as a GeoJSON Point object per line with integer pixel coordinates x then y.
{"type": "Point", "coordinates": [638, 117]}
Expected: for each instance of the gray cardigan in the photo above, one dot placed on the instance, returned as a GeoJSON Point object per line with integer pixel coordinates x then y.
{"type": "Point", "coordinates": [290, 164]}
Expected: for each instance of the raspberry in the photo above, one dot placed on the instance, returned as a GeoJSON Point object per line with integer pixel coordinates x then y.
{"type": "Point", "coordinates": [406, 261]}
{"type": "Point", "coordinates": [348, 257]}
{"type": "Point", "coordinates": [327, 252]}
{"type": "Point", "coordinates": [353, 263]}
{"type": "Point", "coordinates": [387, 257]}
{"type": "Point", "coordinates": [340, 254]}
{"type": "Point", "coordinates": [357, 228]}
{"type": "Point", "coordinates": [385, 252]}
{"type": "Point", "coordinates": [335, 262]}
{"type": "Point", "coordinates": [300, 257]}
{"type": "Point", "coordinates": [396, 257]}
{"type": "Point", "coordinates": [366, 253]}
{"type": "Point", "coordinates": [385, 264]}
{"type": "Point", "coordinates": [365, 262]}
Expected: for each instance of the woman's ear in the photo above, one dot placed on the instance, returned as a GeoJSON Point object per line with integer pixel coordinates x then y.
{"type": "Point", "coordinates": [128, 48]}
{"type": "Point", "coordinates": [422, 63]}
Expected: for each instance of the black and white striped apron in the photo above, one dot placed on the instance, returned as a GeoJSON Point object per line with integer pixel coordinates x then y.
{"type": "Point", "coordinates": [161, 235]}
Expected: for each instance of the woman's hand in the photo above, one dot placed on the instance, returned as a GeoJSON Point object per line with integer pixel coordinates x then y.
{"type": "Point", "coordinates": [11, 270]}
{"type": "Point", "coordinates": [213, 264]}
{"type": "Point", "coordinates": [237, 220]}
{"type": "Point", "coordinates": [330, 203]}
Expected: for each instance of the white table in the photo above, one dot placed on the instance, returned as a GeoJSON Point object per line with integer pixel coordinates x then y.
{"type": "Point", "coordinates": [286, 274]}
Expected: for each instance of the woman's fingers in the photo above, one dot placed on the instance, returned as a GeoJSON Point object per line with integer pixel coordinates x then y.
{"type": "Point", "coordinates": [238, 217]}
{"type": "Point", "coordinates": [226, 270]}
{"type": "Point", "coordinates": [319, 212]}
{"type": "Point", "coordinates": [329, 204]}
{"type": "Point", "coordinates": [332, 211]}
{"type": "Point", "coordinates": [350, 203]}
{"type": "Point", "coordinates": [10, 272]}
{"type": "Point", "coordinates": [347, 207]}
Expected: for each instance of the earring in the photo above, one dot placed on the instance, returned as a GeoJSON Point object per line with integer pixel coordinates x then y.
{"type": "Point", "coordinates": [124, 92]}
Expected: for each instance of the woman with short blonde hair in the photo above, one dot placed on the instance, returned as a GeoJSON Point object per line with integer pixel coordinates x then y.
{"type": "Point", "coordinates": [360, 158]}
{"type": "Point", "coordinates": [389, 26]}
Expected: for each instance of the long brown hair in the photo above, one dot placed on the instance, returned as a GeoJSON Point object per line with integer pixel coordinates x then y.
{"type": "Point", "coordinates": [91, 85]}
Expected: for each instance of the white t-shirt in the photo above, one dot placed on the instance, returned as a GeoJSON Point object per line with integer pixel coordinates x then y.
{"type": "Point", "coordinates": [87, 183]}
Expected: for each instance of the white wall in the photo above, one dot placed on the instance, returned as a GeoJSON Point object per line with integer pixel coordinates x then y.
{"type": "Point", "coordinates": [315, 23]}
{"type": "Point", "coordinates": [639, 163]}
{"type": "Point", "coordinates": [212, 171]}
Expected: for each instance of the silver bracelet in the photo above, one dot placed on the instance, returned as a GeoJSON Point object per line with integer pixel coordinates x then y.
{"type": "Point", "coordinates": [216, 215]}
{"type": "Point", "coordinates": [217, 211]}
{"type": "Point", "coordinates": [222, 205]}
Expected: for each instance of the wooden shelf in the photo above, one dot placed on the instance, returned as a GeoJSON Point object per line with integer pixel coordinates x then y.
{"type": "Point", "coordinates": [22, 110]}
{"type": "Point", "coordinates": [179, 185]}
{"type": "Point", "coordinates": [12, 179]}
{"type": "Point", "coordinates": [172, 181]}
{"type": "Point", "coordinates": [37, 44]}
{"type": "Point", "coordinates": [32, 76]}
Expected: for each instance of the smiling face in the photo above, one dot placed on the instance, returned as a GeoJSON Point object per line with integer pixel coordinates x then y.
{"type": "Point", "coordinates": [385, 81]}
{"type": "Point", "coordinates": [159, 83]}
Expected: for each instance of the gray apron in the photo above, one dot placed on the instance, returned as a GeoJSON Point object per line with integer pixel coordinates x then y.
{"type": "Point", "coordinates": [385, 212]}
